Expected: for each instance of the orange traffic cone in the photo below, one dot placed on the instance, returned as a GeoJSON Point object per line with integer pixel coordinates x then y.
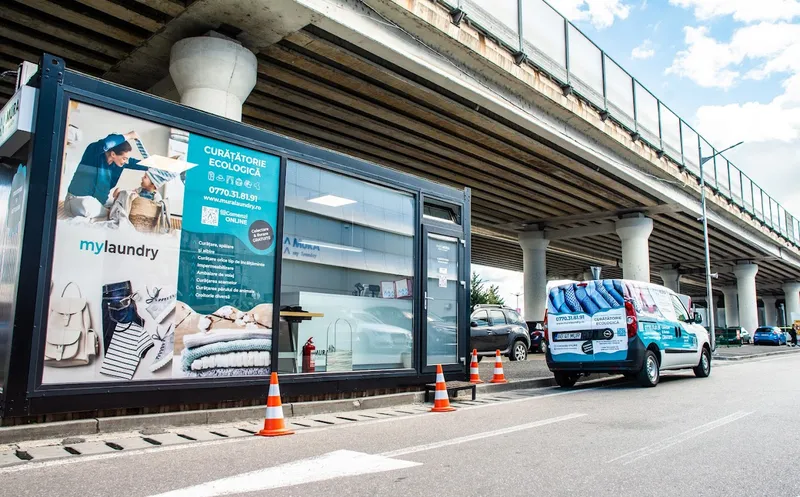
{"type": "Point", "coordinates": [274, 425]}
{"type": "Point", "coordinates": [474, 376]}
{"type": "Point", "coordinates": [441, 402]}
{"type": "Point", "coordinates": [499, 376]}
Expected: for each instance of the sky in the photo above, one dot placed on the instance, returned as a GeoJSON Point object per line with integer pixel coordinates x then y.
{"type": "Point", "coordinates": [729, 68]}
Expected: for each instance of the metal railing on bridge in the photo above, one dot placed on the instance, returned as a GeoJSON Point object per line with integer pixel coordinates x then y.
{"type": "Point", "coordinates": [537, 34]}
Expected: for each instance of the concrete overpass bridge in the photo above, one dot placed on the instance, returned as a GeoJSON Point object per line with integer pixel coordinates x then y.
{"type": "Point", "coordinates": [572, 163]}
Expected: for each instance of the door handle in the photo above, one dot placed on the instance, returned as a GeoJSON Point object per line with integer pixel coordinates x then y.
{"type": "Point", "coordinates": [490, 332]}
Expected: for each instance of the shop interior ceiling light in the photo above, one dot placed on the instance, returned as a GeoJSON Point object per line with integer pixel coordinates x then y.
{"type": "Point", "coordinates": [332, 201]}
{"type": "Point", "coordinates": [167, 164]}
{"type": "Point", "coordinates": [331, 246]}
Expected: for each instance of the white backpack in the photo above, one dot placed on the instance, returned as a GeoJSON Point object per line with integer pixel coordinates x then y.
{"type": "Point", "coordinates": [71, 341]}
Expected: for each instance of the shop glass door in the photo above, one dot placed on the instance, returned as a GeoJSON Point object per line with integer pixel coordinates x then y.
{"type": "Point", "coordinates": [441, 299]}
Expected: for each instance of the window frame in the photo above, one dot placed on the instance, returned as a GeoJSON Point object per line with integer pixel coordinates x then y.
{"type": "Point", "coordinates": [501, 313]}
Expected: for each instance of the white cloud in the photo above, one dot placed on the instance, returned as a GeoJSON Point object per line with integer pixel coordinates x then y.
{"type": "Point", "coordinates": [756, 51]}
{"type": "Point", "coordinates": [600, 13]}
{"type": "Point", "coordinates": [712, 64]}
{"type": "Point", "coordinates": [643, 51]}
{"type": "Point", "coordinates": [743, 10]}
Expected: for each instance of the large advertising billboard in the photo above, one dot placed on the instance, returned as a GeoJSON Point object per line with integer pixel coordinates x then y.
{"type": "Point", "coordinates": [164, 255]}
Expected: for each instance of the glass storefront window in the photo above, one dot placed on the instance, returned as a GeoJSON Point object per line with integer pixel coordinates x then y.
{"type": "Point", "coordinates": [348, 258]}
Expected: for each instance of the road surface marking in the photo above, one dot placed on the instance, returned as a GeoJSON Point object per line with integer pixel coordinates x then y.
{"type": "Point", "coordinates": [479, 436]}
{"type": "Point", "coordinates": [337, 464]}
{"type": "Point", "coordinates": [191, 445]}
{"type": "Point", "coordinates": [676, 439]}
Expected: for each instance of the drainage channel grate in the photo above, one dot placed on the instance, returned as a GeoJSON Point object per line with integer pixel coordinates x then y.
{"type": "Point", "coordinates": [345, 418]}
{"type": "Point", "coordinates": [187, 437]}
{"type": "Point", "coordinates": [114, 446]}
{"type": "Point", "coordinates": [324, 422]}
{"type": "Point", "coordinates": [218, 434]}
{"type": "Point", "coordinates": [151, 441]}
{"type": "Point", "coordinates": [74, 452]}
{"type": "Point", "coordinates": [301, 425]}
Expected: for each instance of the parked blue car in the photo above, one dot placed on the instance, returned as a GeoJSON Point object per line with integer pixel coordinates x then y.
{"type": "Point", "coordinates": [769, 335]}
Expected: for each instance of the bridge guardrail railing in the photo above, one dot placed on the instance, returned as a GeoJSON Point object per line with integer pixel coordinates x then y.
{"type": "Point", "coordinates": [539, 35]}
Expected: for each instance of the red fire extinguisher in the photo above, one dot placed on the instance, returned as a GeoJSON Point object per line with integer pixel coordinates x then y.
{"type": "Point", "coordinates": [308, 356]}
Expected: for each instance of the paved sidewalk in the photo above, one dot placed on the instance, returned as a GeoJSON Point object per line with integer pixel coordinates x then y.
{"type": "Point", "coordinates": [752, 352]}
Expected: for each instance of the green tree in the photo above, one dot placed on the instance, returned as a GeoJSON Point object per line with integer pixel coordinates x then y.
{"type": "Point", "coordinates": [479, 294]}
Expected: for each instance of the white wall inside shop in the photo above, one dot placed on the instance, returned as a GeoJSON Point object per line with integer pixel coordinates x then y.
{"type": "Point", "coordinates": [300, 276]}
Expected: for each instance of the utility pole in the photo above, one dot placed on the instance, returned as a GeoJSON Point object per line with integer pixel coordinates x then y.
{"type": "Point", "coordinates": [709, 292]}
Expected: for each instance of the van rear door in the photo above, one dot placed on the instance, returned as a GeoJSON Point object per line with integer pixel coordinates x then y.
{"type": "Point", "coordinates": [586, 322]}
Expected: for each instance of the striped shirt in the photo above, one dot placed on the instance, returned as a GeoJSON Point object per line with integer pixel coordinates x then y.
{"type": "Point", "coordinates": [128, 345]}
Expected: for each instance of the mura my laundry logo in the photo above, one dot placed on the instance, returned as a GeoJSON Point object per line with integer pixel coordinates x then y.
{"type": "Point", "coordinates": [98, 248]}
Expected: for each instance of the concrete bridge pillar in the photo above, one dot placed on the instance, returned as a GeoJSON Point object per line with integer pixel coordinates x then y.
{"type": "Point", "coordinates": [748, 303]}
{"type": "Point", "coordinates": [213, 74]}
{"type": "Point", "coordinates": [634, 232]}
{"type": "Point", "coordinates": [534, 274]}
{"type": "Point", "coordinates": [791, 290]}
{"type": "Point", "coordinates": [770, 311]}
{"type": "Point", "coordinates": [671, 278]}
{"type": "Point", "coordinates": [731, 306]}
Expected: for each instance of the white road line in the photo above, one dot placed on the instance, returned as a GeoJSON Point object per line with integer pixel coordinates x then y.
{"type": "Point", "coordinates": [676, 439]}
{"type": "Point", "coordinates": [33, 465]}
{"type": "Point", "coordinates": [337, 464]}
{"type": "Point", "coordinates": [479, 436]}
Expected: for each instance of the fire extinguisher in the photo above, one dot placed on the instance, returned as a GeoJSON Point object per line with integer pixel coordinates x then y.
{"type": "Point", "coordinates": [308, 356]}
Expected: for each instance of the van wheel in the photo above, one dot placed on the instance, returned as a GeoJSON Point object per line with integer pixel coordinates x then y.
{"type": "Point", "coordinates": [565, 380]}
{"type": "Point", "coordinates": [519, 352]}
{"type": "Point", "coordinates": [542, 347]}
{"type": "Point", "coordinates": [703, 369]}
{"type": "Point", "coordinates": [649, 374]}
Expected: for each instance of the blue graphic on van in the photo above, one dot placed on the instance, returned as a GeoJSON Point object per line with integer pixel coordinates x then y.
{"type": "Point", "coordinates": [586, 298]}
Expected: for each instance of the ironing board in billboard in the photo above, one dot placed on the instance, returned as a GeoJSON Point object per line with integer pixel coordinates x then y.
{"type": "Point", "coordinates": [164, 254]}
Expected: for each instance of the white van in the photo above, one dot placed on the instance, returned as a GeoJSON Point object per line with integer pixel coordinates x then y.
{"type": "Point", "coordinates": [622, 326]}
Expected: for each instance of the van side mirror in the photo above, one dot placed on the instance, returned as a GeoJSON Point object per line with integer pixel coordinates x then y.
{"type": "Point", "coordinates": [473, 324]}
{"type": "Point", "coordinates": [698, 318]}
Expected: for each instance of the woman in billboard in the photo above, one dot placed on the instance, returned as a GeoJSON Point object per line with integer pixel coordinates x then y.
{"type": "Point", "coordinates": [98, 172]}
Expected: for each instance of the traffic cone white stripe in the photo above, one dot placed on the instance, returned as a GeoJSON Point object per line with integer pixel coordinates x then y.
{"type": "Point", "coordinates": [274, 391]}
{"type": "Point", "coordinates": [274, 412]}
{"type": "Point", "coordinates": [440, 395]}
{"type": "Point", "coordinates": [473, 370]}
{"type": "Point", "coordinates": [498, 370]}
{"type": "Point", "coordinates": [440, 378]}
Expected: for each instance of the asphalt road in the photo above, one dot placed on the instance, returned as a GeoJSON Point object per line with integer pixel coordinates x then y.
{"type": "Point", "coordinates": [734, 433]}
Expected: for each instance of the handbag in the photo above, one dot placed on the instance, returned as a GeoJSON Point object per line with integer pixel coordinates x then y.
{"type": "Point", "coordinates": [70, 340]}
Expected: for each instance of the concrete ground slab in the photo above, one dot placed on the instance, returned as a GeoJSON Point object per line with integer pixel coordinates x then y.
{"type": "Point", "coordinates": [169, 439]}
{"type": "Point", "coordinates": [131, 443]}
{"type": "Point", "coordinates": [90, 448]}
{"type": "Point", "coordinates": [200, 434]}
{"type": "Point", "coordinates": [10, 459]}
{"type": "Point", "coordinates": [49, 452]}
{"type": "Point", "coordinates": [232, 432]}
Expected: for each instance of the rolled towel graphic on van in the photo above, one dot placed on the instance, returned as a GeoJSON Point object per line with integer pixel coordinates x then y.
{"type": "Point", "coordinates": [571, 299]}
{"type": "Point", "coordinates": [599, 300]}
{"type": "Point", "coordinates": [608, 296]}
{"type": "Point", "coordinates": [557, 304]}
{"type": "Point", "coordinates": [588, 305]}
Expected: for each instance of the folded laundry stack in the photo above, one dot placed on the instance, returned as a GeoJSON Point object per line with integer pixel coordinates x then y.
{"type": "Point", "coordinates": [228, 342]}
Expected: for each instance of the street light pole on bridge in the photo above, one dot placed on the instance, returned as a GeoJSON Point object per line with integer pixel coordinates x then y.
{"type": "Point", "coordinates": [709, 294]}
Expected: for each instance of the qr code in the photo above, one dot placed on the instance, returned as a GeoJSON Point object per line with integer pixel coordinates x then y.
{"type": "Point", "coordinates": [210, 216]}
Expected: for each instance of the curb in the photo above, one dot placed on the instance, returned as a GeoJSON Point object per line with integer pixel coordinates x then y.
{"type": "Point", "coordinates": [753, 356]}
{"type": "Point", "coordinates": [142, 422]}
